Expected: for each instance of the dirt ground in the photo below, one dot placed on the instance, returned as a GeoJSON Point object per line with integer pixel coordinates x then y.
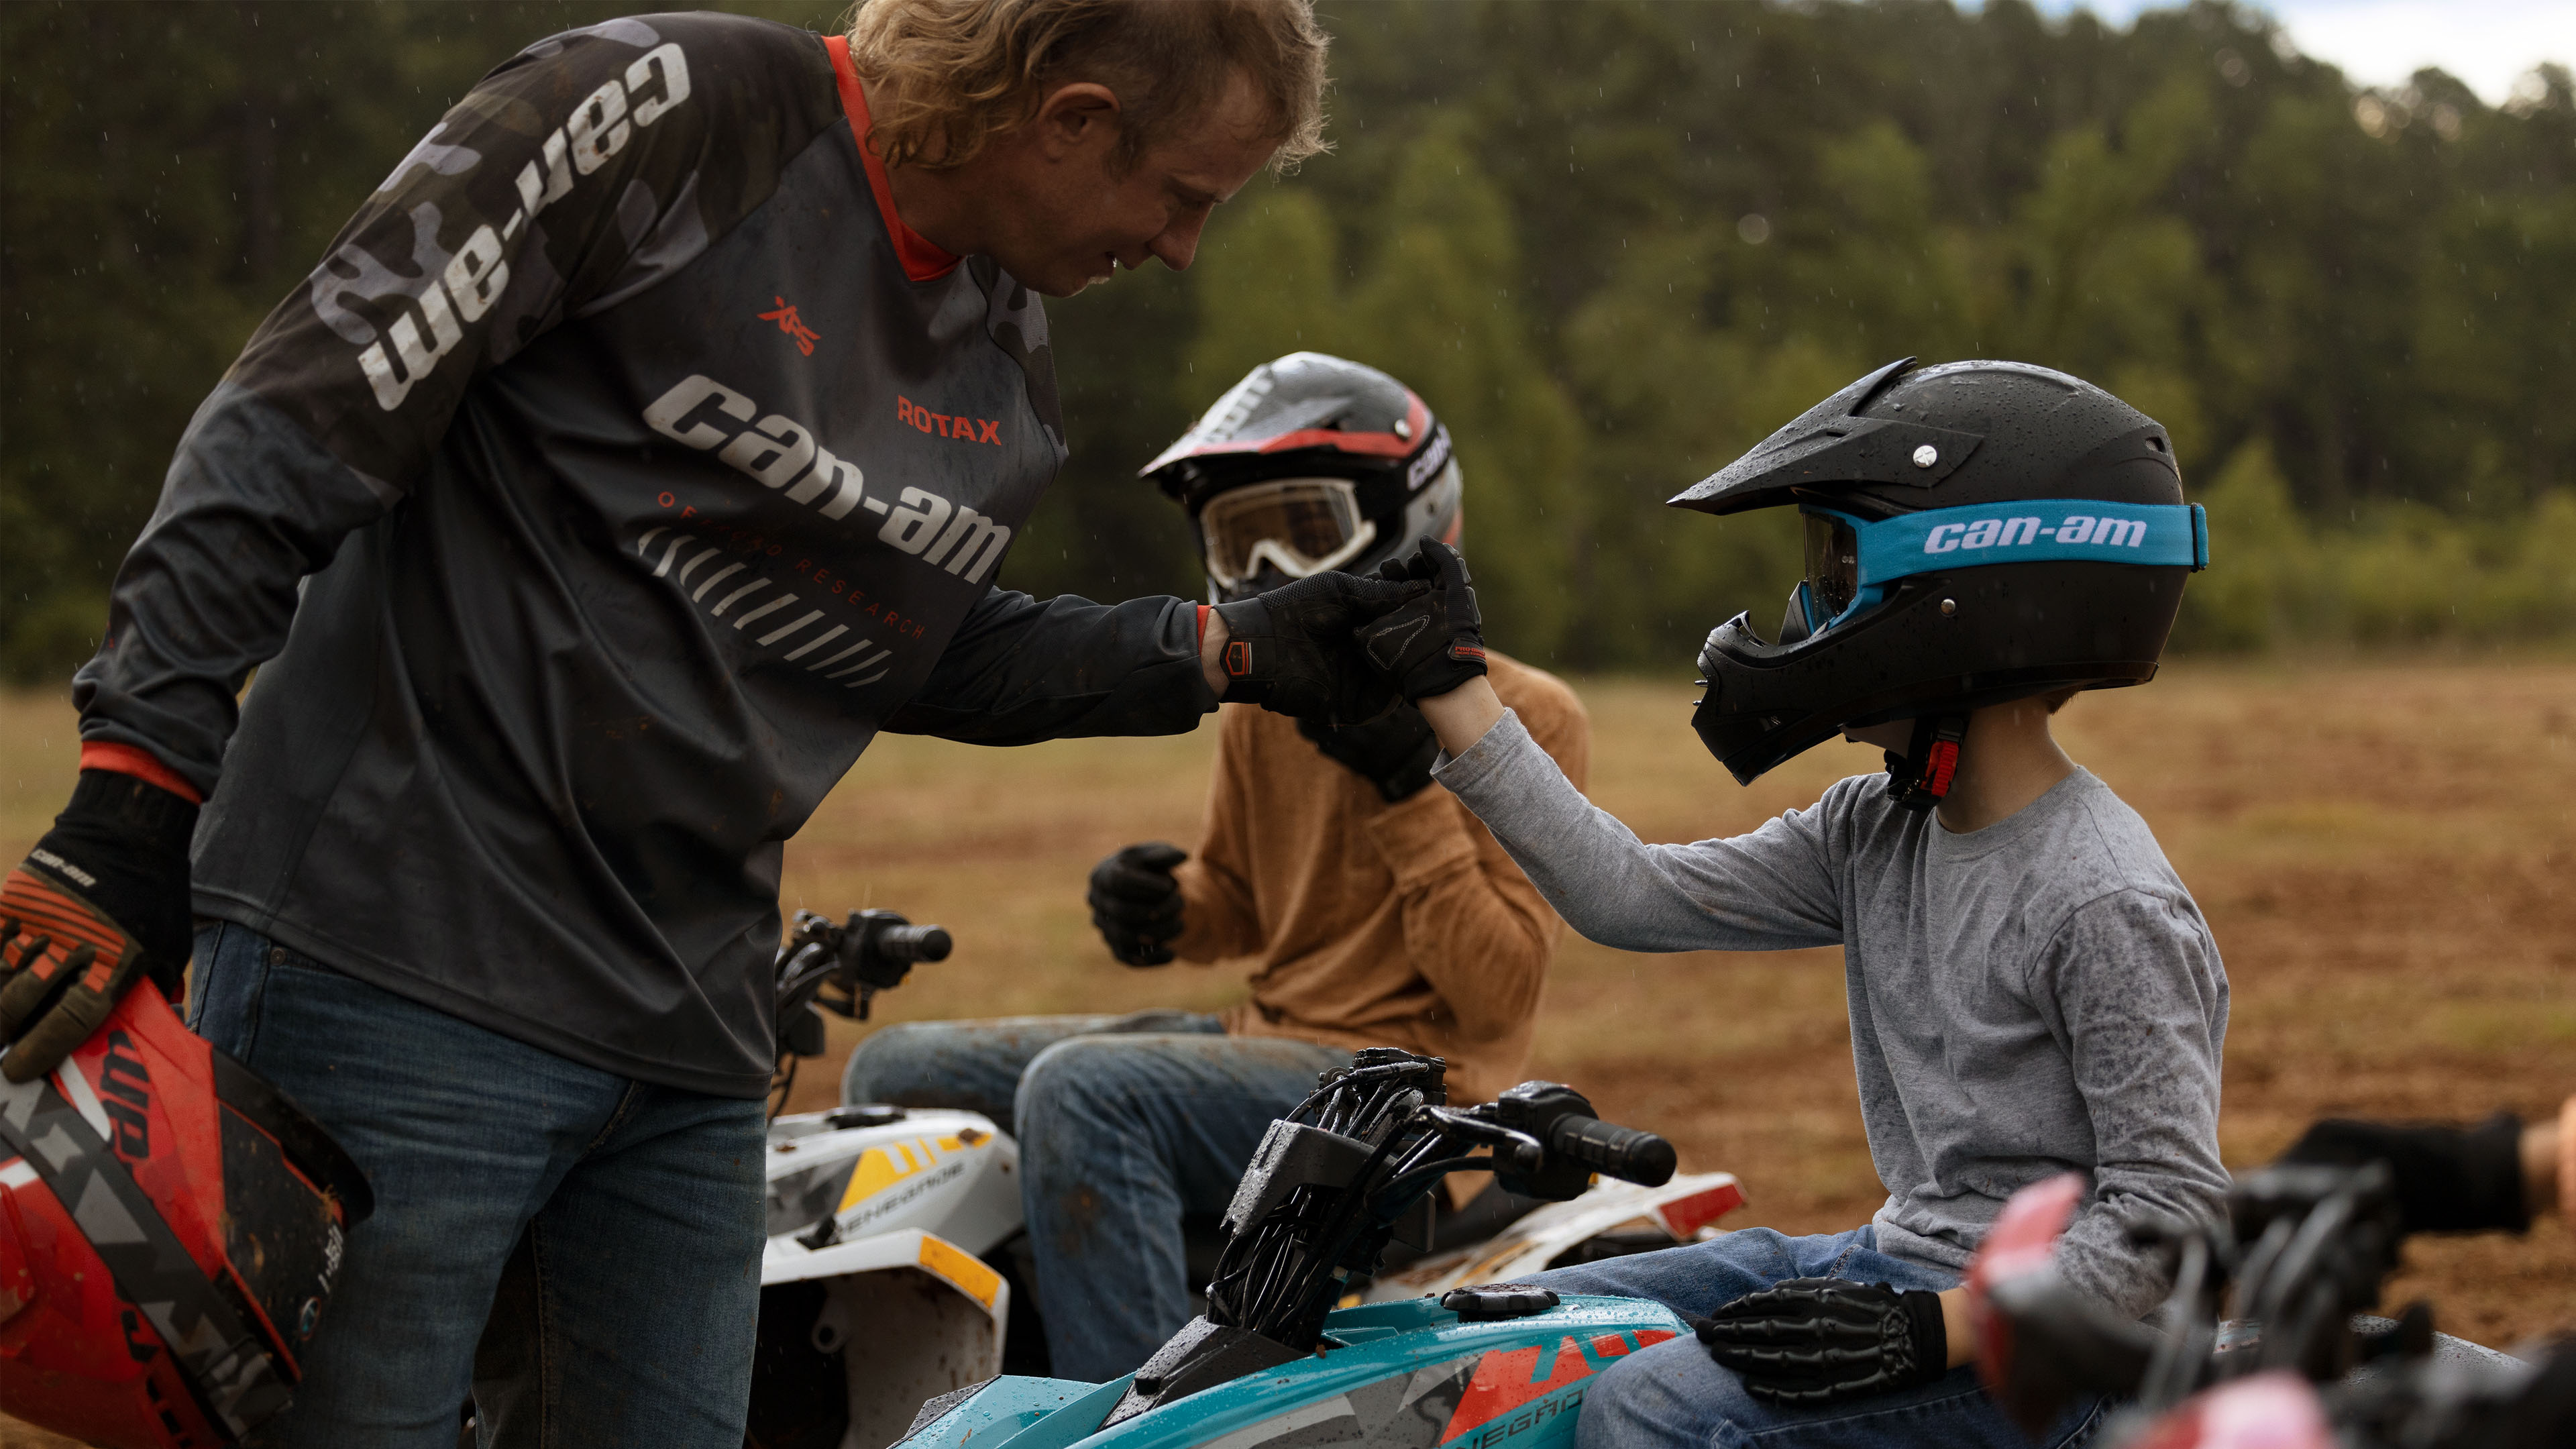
{"type": "Point", "coordinates": [2383, 852]}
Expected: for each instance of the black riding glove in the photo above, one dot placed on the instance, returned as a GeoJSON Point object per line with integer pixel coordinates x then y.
{"type": "Point", "coordinates": [2448, 1179]}
{"type": "Point", "coordinates": [1435, 641]}
{"type": "Point", "coordinates": [1136, 903]}
{"type": "Point", "coordinates": [100, 901]}
{"type": "Point", "coordinates": [1394, 754]}
{"type": "Point", "coordinates": [1290, 650]}
{"type": "Point", "coordinates": [1815, 1340]}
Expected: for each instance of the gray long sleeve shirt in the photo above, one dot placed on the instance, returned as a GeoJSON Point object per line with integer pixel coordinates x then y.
{"type": "Point", "coordinates": [2037, 997]}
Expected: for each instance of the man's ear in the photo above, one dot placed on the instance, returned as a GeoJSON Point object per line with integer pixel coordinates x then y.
{"type": "Point", "coordinates": [1075, 117]}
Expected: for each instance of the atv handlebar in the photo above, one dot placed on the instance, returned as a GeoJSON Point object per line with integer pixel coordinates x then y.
{"type": "Point", "coordinates": [1335, 1179]}
{"type": "Point", "coordinates": [913, 943]}
{"type": "Point", "coordinates": [1628, 1153]}
{"type": "Point", "coordinates": [838, 966]}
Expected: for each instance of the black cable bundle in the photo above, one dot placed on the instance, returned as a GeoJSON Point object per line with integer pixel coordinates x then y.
{"type": "Point", "coordinates": [1278, 1277]}
{"type": "Point", "coordinates": [1330, 1181]}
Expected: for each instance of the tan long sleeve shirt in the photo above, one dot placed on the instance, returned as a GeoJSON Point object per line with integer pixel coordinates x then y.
{"type": "Point", "coordinates": [1370, 924]}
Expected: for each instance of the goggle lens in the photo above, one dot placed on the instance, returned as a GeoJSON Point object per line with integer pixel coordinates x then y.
{"type": "Point", "coordinates": [1302, 525]}
{"type": "Point", "coordinates": [1833, 564]}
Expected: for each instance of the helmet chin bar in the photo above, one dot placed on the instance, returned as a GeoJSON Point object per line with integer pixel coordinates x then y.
{"type": "Point", "coordinates": [2010, 631]}
{"type": "Point", "coordinates": [1921, 777]}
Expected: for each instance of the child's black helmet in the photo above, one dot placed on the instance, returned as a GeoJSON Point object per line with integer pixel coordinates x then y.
{"type": "Point", "coordinates": [1976, 532]}
{"type": "Point", "coordinates": [1310, 463]}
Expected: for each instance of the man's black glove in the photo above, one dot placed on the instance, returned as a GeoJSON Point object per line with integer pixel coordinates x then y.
{"type": "Point", "coordinates": [1394, 754]}
{"type": "Point", "coordinates": [2448, 1179]}
{"type": "Point", "coordinates": [1136, 903]}
{"type": "Point", "coordinates": [1815, 1340]}
{"type": "Point", "coordinates": [1434, 642]}
{"type": "Point", "coordinates": [1290, 650]}
{"type": "Point", "coordinates": [100, 901]}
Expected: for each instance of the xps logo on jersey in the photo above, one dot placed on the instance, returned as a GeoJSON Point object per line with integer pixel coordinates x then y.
{"type": "Point", "coordinates": [794, 326]}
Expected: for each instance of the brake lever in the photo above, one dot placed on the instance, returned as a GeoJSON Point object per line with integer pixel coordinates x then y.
{"type": "Point", "coordinates": [1516, 1150]}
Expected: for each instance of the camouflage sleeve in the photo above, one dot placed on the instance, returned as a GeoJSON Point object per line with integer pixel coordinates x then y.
{"type": "Point", "coordinates": [1020, 670]}
{"type": "Point", "coordinates": [569, 179]}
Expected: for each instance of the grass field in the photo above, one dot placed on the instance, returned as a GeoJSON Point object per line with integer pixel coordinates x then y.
{"type": "Point", "coordinates": [2384, 854]}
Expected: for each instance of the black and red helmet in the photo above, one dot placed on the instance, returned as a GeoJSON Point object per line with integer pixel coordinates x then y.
{"type": "Point", "coordinates": [170, 1228]}
{"type": "Point", "coordinates": [1311, 463]}
{"type": "Point", "coordinates": [1976, 532]}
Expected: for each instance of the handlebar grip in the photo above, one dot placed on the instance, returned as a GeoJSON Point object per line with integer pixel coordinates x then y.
{"type": "Point", "coordinates": [1626, 1153]}
{"type": "Point", "coordinates": [914, 943]}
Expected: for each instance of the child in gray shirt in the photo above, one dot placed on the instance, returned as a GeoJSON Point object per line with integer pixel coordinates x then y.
{"type": "Point", "coordinates": [2032, 991]}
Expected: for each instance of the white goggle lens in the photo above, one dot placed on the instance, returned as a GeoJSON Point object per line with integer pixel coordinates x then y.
{"type": "Point", "coordinates": [1302, 526]}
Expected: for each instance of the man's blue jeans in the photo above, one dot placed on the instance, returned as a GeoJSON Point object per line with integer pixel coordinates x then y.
{"type": "Point", "coordinates": [1124, 1124]}
{"type": "Point", "coordinates": [1674, 1396]}
{"type": "Point", "coordinates": [608, 1230]}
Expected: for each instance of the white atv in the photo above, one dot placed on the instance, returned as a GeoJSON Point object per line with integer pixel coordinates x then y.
{"type": "Point", "coordinates": [896, 1251]}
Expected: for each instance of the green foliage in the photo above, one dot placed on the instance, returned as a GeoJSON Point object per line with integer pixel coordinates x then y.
{"type": "Point", "coordinates": [2261, 583]}
{"type": "Point", "coordinates": [44, 643]}
{"type": "Point", "coordinates": [1612, 244]}
{"type": "Point", "coordinates": [2397, 573]}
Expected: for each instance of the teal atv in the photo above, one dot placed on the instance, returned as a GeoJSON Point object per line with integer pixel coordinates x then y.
{"type": "Point", "coordinates": [1275, 1363]}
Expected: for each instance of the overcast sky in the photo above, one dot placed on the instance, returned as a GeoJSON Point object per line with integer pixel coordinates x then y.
{"type": "Point", "coordinates": [2487, 43]}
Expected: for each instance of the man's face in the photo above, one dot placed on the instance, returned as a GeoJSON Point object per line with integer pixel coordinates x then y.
{"type": "Point", "coordinates": [1075, 214]}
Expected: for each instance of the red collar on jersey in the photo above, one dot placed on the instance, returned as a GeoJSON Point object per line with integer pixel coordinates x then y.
{"type": "Point", "coordinates": [923, 259]}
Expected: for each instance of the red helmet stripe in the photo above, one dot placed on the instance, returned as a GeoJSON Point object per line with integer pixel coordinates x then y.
{"type": "Point", "coordinates": [1375, 445]}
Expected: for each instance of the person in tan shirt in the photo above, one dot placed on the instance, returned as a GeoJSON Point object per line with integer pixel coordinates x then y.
{"type": "Point", "coordinates": [1370, 922]}
{"type": "Point", "coordinates": [1372, 909]}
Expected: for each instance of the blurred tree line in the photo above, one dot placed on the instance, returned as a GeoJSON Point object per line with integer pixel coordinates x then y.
{"type": "Point", "coordinates": [2355, 309]}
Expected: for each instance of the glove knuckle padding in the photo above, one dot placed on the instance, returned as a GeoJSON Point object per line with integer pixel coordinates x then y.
{"type": "Point", "coordinates": [102, 899]}
{"type": "Point", "coordinates": [1811, 1340]}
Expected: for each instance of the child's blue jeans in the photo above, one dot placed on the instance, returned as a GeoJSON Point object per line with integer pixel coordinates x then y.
{"type": "Point", "coordinates": [1674, 1396]}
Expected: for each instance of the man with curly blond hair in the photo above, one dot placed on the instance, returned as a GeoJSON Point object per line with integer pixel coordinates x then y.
{"type": "Point", "coordinates": [649, 441]}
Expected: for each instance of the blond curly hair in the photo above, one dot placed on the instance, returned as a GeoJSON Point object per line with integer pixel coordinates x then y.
{"type": "Point", "coordinates": [963, 71]}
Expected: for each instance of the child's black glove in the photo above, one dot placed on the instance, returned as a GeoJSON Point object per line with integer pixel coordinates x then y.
{"type": "Point", "coordinates": [1815, 1340]}
{"type": "Point", "coordinates": [2447, 1179]}
{"type": "Point", "coordinates": [1394, 754]}
{"type": "Point", "coordinates": [1136, 904]}
{"type": "Point", "coordinates": [1436, 641]}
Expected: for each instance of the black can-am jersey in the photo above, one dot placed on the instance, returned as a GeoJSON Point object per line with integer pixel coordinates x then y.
{"type": "Point", "coordinates": [622, 470]}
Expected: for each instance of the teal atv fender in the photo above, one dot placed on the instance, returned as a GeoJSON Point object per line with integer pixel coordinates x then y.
{"type": "Point", "coordinates": [1403, 1375]}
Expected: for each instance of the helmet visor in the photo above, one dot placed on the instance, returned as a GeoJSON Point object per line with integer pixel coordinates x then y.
{"type": "Point", "coordinates": [1833, 565]}
{"type": "Point", "coordinates": [1301, 525]}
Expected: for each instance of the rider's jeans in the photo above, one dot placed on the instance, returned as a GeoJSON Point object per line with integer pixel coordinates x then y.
{"type": "Point", "coordinates": [609, 1230]}
{"type": "Point", "coordinates": [1674, 1396]}
{"type": "Point", "coordinates": [1125, 1124]}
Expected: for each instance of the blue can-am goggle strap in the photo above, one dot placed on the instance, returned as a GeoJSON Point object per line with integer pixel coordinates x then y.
{"type": "Point", "coordinates": [1852, 561]}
